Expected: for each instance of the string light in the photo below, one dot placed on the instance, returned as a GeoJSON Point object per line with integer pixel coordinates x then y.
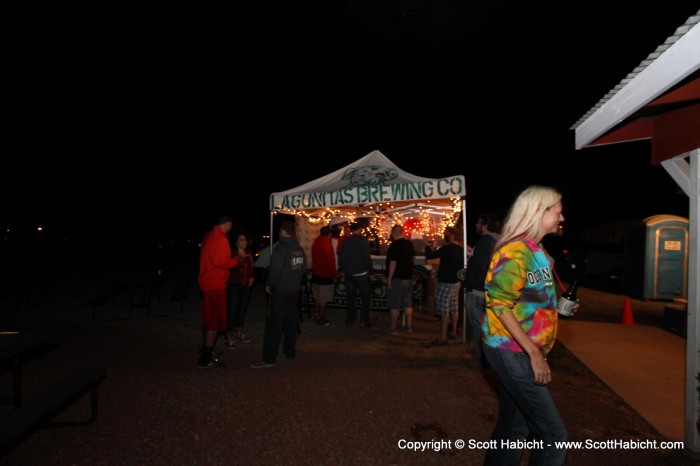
{"type": "Point", "coordinates": [431, 219]}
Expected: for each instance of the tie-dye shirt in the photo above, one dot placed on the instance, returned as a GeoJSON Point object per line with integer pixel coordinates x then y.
{"type": "Point", "coordinates": [521, 280]}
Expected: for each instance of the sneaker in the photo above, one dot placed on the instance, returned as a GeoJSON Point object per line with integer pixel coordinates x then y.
{"type": "Point", "coordinates": [392, 331]}
{"type": "Point", "coordinates": [243, 338]}
{"type": "Point", "coordinates": [323, 322]}
{"type": "Point", "coordinates": [213, 363]}
{"type": "Point", "coordinates": [409, 330]}
{"type": "Point", "coordinates": [262, 365]}
{"type": "Point", "coordinates": [231, 344]}
{"type": "Point", "coordinates": [214, 354]}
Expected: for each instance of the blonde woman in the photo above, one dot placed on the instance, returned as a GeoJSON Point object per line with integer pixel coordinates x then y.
{"type": "Point", "coordinates": [520, 327]}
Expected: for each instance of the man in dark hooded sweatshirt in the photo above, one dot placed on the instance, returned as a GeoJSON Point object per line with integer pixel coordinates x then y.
{"type": "Point", "coordinates": [287, 269]}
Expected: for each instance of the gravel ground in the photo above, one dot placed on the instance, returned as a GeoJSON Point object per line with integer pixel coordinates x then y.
{"type": "Point", "coordinates": [353, 396]}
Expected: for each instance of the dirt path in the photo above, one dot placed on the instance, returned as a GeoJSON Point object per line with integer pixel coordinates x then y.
{"type": "Point", "coordinates": [352, 397]}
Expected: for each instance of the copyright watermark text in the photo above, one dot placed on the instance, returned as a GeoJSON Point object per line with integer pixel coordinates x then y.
{"type": "Point", "coordinates": [588, 444]}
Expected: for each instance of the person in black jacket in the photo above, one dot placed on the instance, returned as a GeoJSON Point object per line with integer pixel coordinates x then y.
{"type": "Point", "coordinates": [488, 227]}
{"type": "Point", "coordinates": [287, 269]}
{"type": "Point", "coordinates": [355, 262]}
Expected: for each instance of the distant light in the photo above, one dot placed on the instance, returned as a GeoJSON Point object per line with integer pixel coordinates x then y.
{"type": "Point", "coordinates": [39, 229]}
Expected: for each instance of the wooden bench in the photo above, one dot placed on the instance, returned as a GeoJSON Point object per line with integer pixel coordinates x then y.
{"type": "Point", "coordinates": [17, 290]}
{"type": "Point", "coordinates": [179, 293]}
{"type": "Point", "coordinates": [106, 295]}
{"type": "Point", "coordinates": [142, 289]}
{"type": "Point", "coordinates": [21, 422]}
{"type": "Point", "coordinates": [14, 351]}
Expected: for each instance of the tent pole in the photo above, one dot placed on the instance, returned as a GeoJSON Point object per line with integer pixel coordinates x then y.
{"type": "Point", "coordinates": [272, 216]}
{"type": "Point", "coordinates": [464, 243]}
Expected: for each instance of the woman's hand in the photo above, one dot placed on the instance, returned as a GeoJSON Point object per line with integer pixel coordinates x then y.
{"type": "Point", "coordinates": [540, 368]}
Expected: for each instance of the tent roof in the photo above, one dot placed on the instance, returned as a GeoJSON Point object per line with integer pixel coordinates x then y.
{"type": "Point", "coordinates": [369, 186]}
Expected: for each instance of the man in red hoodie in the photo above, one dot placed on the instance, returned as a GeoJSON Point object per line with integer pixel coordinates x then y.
{"type": "Point", "coordinates": [215, 262]}
{"type": "Point", "coordinates": [323, 273]}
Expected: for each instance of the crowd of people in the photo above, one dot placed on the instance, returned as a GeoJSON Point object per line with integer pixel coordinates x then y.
{"type": "Point", "coordinates": [506, 286]}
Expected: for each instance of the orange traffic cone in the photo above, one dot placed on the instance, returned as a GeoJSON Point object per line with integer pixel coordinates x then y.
{"type": "Point", "coordinates": [627, 317]}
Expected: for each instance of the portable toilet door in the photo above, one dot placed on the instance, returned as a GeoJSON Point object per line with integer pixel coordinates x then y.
{"type": "Point", "coordinates": [666, 264]}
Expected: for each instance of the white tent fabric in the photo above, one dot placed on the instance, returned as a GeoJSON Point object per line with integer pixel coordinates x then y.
{"type": "Point", "coordinates": [374, 188]}
{"type": "Point", "coordinates": [370, 186]}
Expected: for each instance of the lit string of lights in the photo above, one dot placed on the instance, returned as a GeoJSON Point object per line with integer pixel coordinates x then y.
{"type": "Point", "coordinates": [427, 219]}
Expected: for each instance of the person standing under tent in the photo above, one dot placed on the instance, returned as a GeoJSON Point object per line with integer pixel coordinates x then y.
{"type": "Point", "coordinates": [338, 227]}
{"type": "Point", "coordinates": [323, 274]}
{"type": "Point", "coordinates": [448, 285]}
{"type": "Point", "coordinates": [356, 263]}
{"type": "Point", "coordinates": [399, 265]}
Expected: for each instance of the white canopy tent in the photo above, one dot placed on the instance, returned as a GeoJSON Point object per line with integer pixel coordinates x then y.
{"type": "Point", "coordinates": [374, 188]}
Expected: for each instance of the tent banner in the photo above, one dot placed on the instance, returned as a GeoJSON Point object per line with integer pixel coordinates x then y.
{"type": "Point", "coordinates": [442, 188]}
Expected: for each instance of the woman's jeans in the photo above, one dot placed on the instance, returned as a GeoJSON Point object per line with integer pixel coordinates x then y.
{"type": "Point", "coordinates": [238, 296]}
{"type": "Point", "coordinates": [524, 408]}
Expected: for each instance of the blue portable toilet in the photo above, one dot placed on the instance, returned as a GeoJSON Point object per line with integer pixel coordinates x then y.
{"type": "Point", "coordinates": [666, 257]}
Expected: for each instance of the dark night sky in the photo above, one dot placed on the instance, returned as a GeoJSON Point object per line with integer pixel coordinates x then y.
{"type": "Point", "coordinates": [145, 123]}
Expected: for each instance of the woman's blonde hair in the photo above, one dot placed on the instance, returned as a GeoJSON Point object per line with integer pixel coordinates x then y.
{"type": "Point", "coordinates": [524, 218]}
